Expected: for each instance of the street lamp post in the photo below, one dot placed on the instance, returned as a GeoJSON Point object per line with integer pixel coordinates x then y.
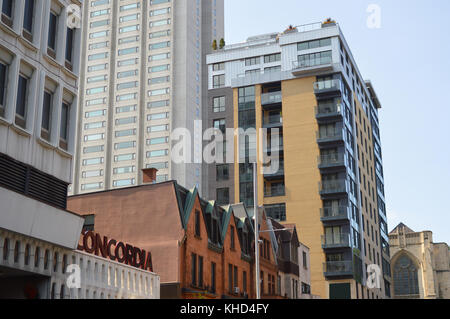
{"type": "Point", "coordinates": [256, 216]}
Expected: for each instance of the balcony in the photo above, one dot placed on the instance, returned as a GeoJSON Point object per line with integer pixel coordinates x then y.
{"type": "Point", "coordinates": [329, 137]}
{"type": "Point", "coordinates": [274, 191]}
{"type": "Point", "coordinates": [329, 111]}
{"type": "Point", "coordinates": [336, 241]}
{"type": "Point", "coordinates": [328, 214]}
{"type": "Point", "coordinates": [273, 121]}
{"type": "Point", "coordinates": [271, 99]}
{"type": "Point", "coordinates": [338, 268]}
{"type": "Point", "coordinates": [271, 174]}
{"type": "Point", "coordinates": [309, 66]}
{"type": "Point", "coordinates": [333, 187]}
{"type": "Point", "coordinates": [334, 160]}
{"type": "Point", "coordinates": [327, 87]}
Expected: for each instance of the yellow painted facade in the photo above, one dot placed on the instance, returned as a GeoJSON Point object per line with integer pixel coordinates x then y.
{"type": "Point", "coordinates": [302, 176]}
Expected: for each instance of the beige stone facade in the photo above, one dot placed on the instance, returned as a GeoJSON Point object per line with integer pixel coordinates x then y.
{"type": "Point", "coordinates": [420, 268]}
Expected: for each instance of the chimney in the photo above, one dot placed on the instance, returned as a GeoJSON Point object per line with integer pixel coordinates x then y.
{"type": "Point", "coordinates": [149, 175]}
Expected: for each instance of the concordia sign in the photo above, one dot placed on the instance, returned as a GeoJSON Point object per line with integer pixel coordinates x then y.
{"type": "Point", "coordinates": [93, 243]}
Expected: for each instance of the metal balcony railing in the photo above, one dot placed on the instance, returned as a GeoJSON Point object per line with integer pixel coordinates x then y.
{"type": "Point", "coordinates": [334, 212]}
{"type": "Point", "coordinates": [334, 241]}
{"type": "Point", "coordinates": [271, 98]}
{"type": "Point", "coordinates": [336, 268]}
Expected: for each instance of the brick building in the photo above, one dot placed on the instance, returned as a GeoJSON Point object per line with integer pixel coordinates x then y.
{"type": "Point", "coordinates": [199, 249]}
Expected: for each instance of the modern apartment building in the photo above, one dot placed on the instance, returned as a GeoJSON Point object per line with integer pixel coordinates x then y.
{"type": "Point", "coordinates": [303, 86]}
{"type": "Point", "coordinates": [142, 77]}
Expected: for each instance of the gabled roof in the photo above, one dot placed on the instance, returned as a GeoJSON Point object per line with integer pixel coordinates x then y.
{"type": "Point", "coordinates": [401, 227]}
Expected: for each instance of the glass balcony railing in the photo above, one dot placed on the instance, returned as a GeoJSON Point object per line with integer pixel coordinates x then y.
{"type": "Point", "coordinates": [331, 109]}
{"type": "Point", "coordinates": [329, 135]}
{"type": "Point", "coordinates": [338, 268]}
{"type": "Point", "coordinates": [327, 86]}
{"type": "Point", "coordinates": [331, 160]}
{"type": "Point", "coordinates": [311, 63]}
{"type": "Point", "coordinates": [334, 213]}
{"type": "Point", "coordinates": [271, 98]}
{"type": "Point", "coordinates": [336, 240]}
{"type": "Point", "coordinates": [333, 186]}
{"type": "Point", "coordinates": [272, 120]}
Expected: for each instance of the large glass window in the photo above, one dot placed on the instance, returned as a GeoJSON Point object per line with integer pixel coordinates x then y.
{"type": "Point", "coordinates": [406, 281]}
{"type": "Point", "coordinates": [314, 59]}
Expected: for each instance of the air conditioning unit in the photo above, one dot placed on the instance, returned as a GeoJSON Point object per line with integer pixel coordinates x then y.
{"type": "Point", "coordinates": [236, 290]}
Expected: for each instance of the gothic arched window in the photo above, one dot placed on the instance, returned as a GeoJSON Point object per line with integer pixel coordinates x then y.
{"type": "Point", "coordinates": [406, 282]}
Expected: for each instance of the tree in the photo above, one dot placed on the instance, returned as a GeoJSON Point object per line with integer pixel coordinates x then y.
{"type": "Point", "coordinates": [214, 45]}
{"type": "Point", "coordinates": [222, 43]}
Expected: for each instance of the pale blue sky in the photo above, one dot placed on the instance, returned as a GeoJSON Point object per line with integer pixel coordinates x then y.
{"type": "Point", "coordinates": [408, 62]}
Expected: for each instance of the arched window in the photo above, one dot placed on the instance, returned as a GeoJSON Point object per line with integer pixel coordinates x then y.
{"type": "Point", "coordinates": [46, 259]}
{"type": "Point", "coordinates": [17, 252]}
{"type": "Point", "coordinates": [27, 254]}
{"type": "Point", "coordinates": [406, 282]}
{"type": "Point", "coordinates": [5, 249]}
{"type": "Point", "coordinates": [37, 252]}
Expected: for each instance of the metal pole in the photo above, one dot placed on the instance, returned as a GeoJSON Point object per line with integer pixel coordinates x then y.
{"type": "Point", "coordinates": [256, 213]}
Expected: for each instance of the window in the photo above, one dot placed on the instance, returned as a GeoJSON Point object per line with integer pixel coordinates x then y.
{"type": "Point", "coordinates": [21, 101]}
{"type": "Point", "coordinates": [194, 270]}
{"type": "Point", "coordinates": [313, 59]}
{"type": "Point", "coordinates": [219, 104]}
{"type": "Point", "coordinates": [305, 260]}
{"type": "Point", "coordinates": [252, 61]}
{"type": "Point", "coordinates": [52, 29]}
{"type": "Point", "coordinates": [222, 173]}
{"type": "Point", "coordinates": [7, 7]}
{"type": "Point", "coordinates": [213, 277]}
{"type": "Point", "coordinates": [223, 196]}
{"type": "Point", "coordinates": [314, 44]}
{"type": "Point", "coordinates": [197, 223]}
{"type": "Point", "coordinates": [69, 44]}
{"type": "Point", "coordinates": [232, 239]}
{"type": "Point", "coordinates": [28, 16]}
{"type": "Point", "coordinates": [220, 124]}
{"type": "Point", "coordinates": [405, 275]}
{"type": "Point", "coordinates": [46, 115]}
{"type": "Point", "coordinates": [230, 278]}
{"type": "Point", "coordinates": [200, 271]}
{"type": "Point", "coordinates": [3, 83]}
{"type": "Point", "coordinates": [218, 81]}
{"type": "Point", "coordinates": [219, 66]}
{"type": "Point", "coordinates": [93, 149]}
{"type": "Point", "coordinates": [272, 58]}
{"type": "Point", "coordinates": [276, 211]}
